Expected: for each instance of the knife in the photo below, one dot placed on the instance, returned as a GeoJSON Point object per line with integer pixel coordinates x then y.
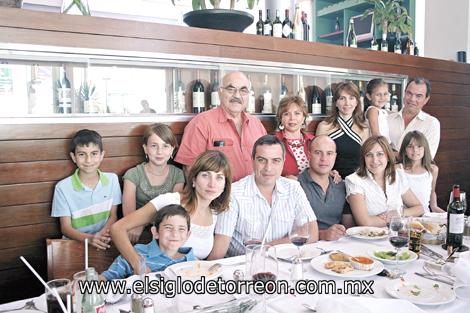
{"type": "Point", "coordinates": [433, 255]}
{"type": "Point", "coordinates": [434, 278]}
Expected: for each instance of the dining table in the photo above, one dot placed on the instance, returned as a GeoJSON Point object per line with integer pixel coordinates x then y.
{"type": "Point", "coordinates": [378, 301]}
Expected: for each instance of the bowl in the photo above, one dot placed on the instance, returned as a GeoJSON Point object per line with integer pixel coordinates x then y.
{"type": "Point", "coordinates": [362, 263]}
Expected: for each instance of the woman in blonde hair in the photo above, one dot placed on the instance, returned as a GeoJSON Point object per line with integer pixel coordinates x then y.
{"type": "Point", "coordinates": [206, 194]}
{"type": "Point", "coordinates": [346, 127]}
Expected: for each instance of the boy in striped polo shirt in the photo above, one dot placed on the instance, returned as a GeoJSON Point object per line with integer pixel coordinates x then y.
{"type": "Point", "coordinates": [86, 202]}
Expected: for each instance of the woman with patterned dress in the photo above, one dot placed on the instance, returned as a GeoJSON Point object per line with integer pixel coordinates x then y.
{"type": "Point", "coordinates": [346, 127]}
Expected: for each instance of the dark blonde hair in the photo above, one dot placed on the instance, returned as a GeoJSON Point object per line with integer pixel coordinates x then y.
{"type": "Point", "coordinates": [351, 89]}
{"type": "Point", "coordinates": [214, 161]}
{"type": "Point", "coordinates": [390, 172]}
{"type": "Point", "coordinates": [421, 140]}
{"type": "Point", "coordinates": [284, 106]}
{"type": "Point", "coordinates": [161, 130]}
{"type": "Point", "coordinates": [372, 85]}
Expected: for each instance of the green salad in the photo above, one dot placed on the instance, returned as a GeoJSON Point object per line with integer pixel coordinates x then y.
{"type": "Point", "coordinates": [390, 255]}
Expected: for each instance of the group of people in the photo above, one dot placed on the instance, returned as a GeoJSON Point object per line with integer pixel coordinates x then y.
{"type": "Point", "coordinates": [336, 179]}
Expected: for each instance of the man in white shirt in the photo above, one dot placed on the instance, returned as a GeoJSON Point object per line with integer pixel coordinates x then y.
{"type": "Point", "coordinates": [411, 117]}
{"type": "Point", "coordinates": [263, 199]}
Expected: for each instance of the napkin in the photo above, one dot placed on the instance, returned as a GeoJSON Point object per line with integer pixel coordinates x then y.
{"type": "Point", "coordinates": [331, 304]}
{"type": "Point", "coordinates": [461, 270]}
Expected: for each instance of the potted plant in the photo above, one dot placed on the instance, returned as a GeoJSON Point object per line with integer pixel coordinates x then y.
{"type": "Point", "coordinates": [390, 17]}
{"type": "Point", "coordinates": [217, 18]}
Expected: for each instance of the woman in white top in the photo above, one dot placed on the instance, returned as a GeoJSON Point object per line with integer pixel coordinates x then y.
{"type": "Point", "coordinates": [420, 169]}
{"type": "Point", "coordinates": [377, 96]}
{"type": "Point", "coordinates": [206, 194]}
{"type": "Point", "coordinates": [377, 185]}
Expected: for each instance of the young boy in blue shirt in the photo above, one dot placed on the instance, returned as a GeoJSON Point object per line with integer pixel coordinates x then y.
{"type": "Point", "coordinates": [86, 202]}
{"type": "Point", "coordinates": [171, 230]}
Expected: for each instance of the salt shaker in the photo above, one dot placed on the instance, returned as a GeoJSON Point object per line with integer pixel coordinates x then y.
{"type": "Point", "coordinates": [136, 303]}
{"type": "Point", "coordinates": [297, 271]}
{"type": "Point", "coordinates": [147, 306]}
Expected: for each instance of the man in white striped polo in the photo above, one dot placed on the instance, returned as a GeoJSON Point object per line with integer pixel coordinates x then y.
{"type": "Point", "coordinates": [262, 200]}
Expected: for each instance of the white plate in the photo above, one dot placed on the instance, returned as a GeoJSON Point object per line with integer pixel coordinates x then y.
{"type": "Point", "coordinates": [463, 292]}
{"type": "Point", "coordinates": [425, 292]}
{"type": "Point", "coordinates": [356, 232]}
{"type": "Point", "coordinates": [319, 265]}
{"type": "Point", "coordinates": [413, 256]}
{"type": "Point", "coordinates": [192, 270]}
{"type": "Point", "coordinates": [288, 251]}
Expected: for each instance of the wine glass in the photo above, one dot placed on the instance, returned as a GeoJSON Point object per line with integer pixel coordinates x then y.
{"type": "Point", "coordinates": [398, 236]}
{"type": "Point", "coordinates": [252, 234]}
{"type": "Point", "coordinates": [264, 267]}
{"type": "Point", "coordinates": [392, 212]}
{"type": "Point", "coordinates": [299, 232]}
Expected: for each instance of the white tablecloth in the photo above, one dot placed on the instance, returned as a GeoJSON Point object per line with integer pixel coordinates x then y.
{"type": "Point", "coordinates": [348, 245]}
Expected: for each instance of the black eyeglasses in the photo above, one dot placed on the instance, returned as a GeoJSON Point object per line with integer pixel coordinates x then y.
{"type": "Point", "coordinates": [233, 90]}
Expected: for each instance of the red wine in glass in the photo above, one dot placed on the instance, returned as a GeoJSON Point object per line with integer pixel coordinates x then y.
{"type": "Point", "coordinates": [264, 277]}
{"type": "Point", "coordinates": [299, 241]}
{"type": "Point", "coordinates": [398, 241]}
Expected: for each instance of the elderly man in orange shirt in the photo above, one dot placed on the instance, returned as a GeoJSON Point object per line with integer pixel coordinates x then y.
{"type": "Point", "coordinates": [228, 128]}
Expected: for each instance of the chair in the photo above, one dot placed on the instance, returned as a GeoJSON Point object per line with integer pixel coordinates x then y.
{"type": "Point", "coordinates": [66, 257]}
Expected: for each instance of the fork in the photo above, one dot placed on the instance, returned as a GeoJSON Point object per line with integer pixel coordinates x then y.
{"type": "Point", "coordinates": [323, 251]}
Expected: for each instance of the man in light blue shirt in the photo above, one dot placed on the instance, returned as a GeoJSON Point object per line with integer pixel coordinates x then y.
{"type": "Point", "coordinates": [263, 198]}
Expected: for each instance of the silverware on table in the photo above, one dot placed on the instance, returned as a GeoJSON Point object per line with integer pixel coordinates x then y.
{"type": "Point", "coordinates": [434, 278]}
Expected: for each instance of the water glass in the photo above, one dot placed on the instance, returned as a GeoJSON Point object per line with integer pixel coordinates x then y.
{"type": "Point", "coordinates": [248, 256]}
{"type": "Point", "coordinates": [76, 293]}
{"type": "Point", "coordinates": [252, 234]}
{"type": "Point", "coordinates": [64, 288]}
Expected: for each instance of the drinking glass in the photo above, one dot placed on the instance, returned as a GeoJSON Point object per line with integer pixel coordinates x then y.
{"type": "Point", "coordinates": [252, 234]}
{"type": "Point", "coordinates": [299, 232]}
{"type": "Point", "coordinates": [248, 255]}
{"type": "Point", "coordinates": [398, 236]}
{"type": "Point", "coordinates": [76, 294]}
{"type": "Point", "coordinates": [64, 288]}
{"type": "Point", "coordinates": [264, 267]}
{"type": "Point", "coordinates": [392, 212]}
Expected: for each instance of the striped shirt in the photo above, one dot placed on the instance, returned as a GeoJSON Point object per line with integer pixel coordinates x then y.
{"type": "Point", "coordinates": [249, 208]}
{"type": "Point", "coordinates": [89, 209]}
{"type": "Point", "coordinates": [155, 259]}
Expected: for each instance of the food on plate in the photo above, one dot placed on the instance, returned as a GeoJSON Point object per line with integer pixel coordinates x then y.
{"type": "Point", "coordinates": [198, 269]}
{"type": "Point", "coordinates": [339, 256]}
{"type": "Point", "coordinates": [362, 263]}
{"type": "Point", "coordinates": [339, 267]}
{"type": "Point", "coordinates": [432, 227]}
{"type": "Point", "coordinates": [372, 233]}
{"type": "Point", "coordinates": [417, 226]}
{"type": "Point", "coordinates": [390, 255]}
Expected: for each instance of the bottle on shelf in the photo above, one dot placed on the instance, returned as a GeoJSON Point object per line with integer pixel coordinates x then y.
{"type": "Point", "coordinates": [298, 28]}
{"type": "Point", "coordinates": [394, 99]}
{"type": "Point", "coordinates": [260, 23]}
{"type": "Point", "coordinates": [315, 100]}
{"type": "Point", "coordinates": [215, 99]}
{"type": "Point", "coordinates": [300, 88]}
{"type": "Point", "coordinates": [328, 100]}
{"type": "Point", "coordinates": [337, 25]}
{"type": "Point", "coordinates": [198, 95]}
{"type": "Point", "coordinates": [287, 27]}
{"type": "Point", "coordinates": [267, 97]}
{"type": "Point", "coordinates": [64, 93]}
{"type": "Point", "coordinates": [92, 302]}
{"type": "Point", "coordinates": [455, 220]}
{"type": "Point", "coordinates": [384, 43]}
{"type": "Point", "coordinates": [397, 47]}
{"type": "Point", "coordinates": [179, 94]}
{"type": "Point", "coordinates": [251, 107]}
{"type": "Point", "coordinates": [374, 46]}
{"type": "Point", "coordinates": [277, 26]}
{"type": "Point", "coordinates": [305, 27]}
{"type": "Point", "coordinates": [351, 39]}
{"type": "Point", "coordinates": [416, 50]}
{"type": "Point", "coordinates": [409, 46]}
{"type": "Point", "coordinates": [283, 92]}
{"type": "Point", "coordinates": [361, 94]}
{"type": "Point", "coordinates": [267, 25]}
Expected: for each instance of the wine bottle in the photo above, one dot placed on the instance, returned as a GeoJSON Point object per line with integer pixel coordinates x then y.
{"type": "Point", "coordinates": [397, 47]}
{"type": "Point", "coordinates": [198, 95]}
{"type": "Point", "coordinates": [374, 45]}
{"type": "Point", "coordinates": [315, 101]}
{"type": "Point", "coordinates": [92, 302]}
{"type": "Point", "coordinates": [267, 97]}
{"type": "Point", "coordinates": [179, 94]}
{"type": "Point", "coordinates": [361, 94]}
{"type": "Point", "coordinates": [409, 46]}
{"type": "Point", "coordinates": [298, 28]}
{"type": "Point", "coordinates": [287, 27]}
{"type": "Point", "coordinates": [305, 27]}
{"type": "Point", "coordinates": [328, 100]}
{"type": "Point", "coordinates": [455, 220]}
{"type": "Point", "coordinates": [215, 99]}
{"type": "Point", "coordinates": [259, 24]}
{"type": "Point", "coordinates": [352, 39]}
{"type": "Point", "coordinates": [300, 88]}
{"type": "Point", "coordinates": [337, 25]}
{"type": "Point", "coordinates": [416, 50]}
{"type": "Point", "coordinates": [268, 25]}
{"type": "Point", "coordinates": [251, 108]}
{"type": "Point", "coordinates": [277, 26]}
{"type": "Point", "coordinates": [283, 92]}
{"type": "Point", "coordinates": [64, 93]}
{"type": "Point", "coordinates": [394, 99]}
{"type": "Point", "coordinates": [384, 43]}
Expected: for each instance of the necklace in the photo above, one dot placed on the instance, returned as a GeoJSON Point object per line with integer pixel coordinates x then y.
{"type": "Point", "coordinates": [157, 174]}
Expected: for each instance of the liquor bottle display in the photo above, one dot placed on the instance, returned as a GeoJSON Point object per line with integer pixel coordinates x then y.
{"type": "Point", "coordinates": [64, 93]}
{"type": "Point", "coordinates": [361, 94]}
{"type": "Point", "coordinates": [92, 302]}
{"type": "Point", "coordinates": [251, 107]}
{"type": "Point", "coordinates": [267, 25]}
{"type": "Point", "coordinates": [315, 102]}
{"type": "Point", "coordinates": [394, 99]}
{"type": "Point", "coordinates": [337, 25]}
{"type": "Point", "coordinates": [287, 27]}
{"type": "Point", "coordinates": [179, 94]}
{"type": "Point", "coordinates": [455, 220]}
{"type": "Point", "coordinates": [351, 39]}
{"type": "Point", "coordinates": [283, 92]}
{"type": "Point", "coordinates": [300, 88]}
{"type": "Point", "coordinates": [215, 99]}
{"type": "Point", "coordinates": [277, 26]}
{"type": "Point", "coordinates": [409, 46]}
{"type": "Point", "coordinates": [260, 24]}
{"type": "Point", "coordinates": [397, 47]}
{"type": "Point", "coordinates": [374, 45]}
{"type": "Point", "coordinates": [305, 27]}
{"type": "Point", "coordinates": [416, 50]}
{"type": "Point", "coordinates": [384, 43]}
{"type": "Point", "coordinates": [198, 95]}
{"type": "Point", "coordinates": [267, 97]}
{"type": "Point", "coordinates": [328, 99]}
{"type": "Point", "coordinates": [298, 28]}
